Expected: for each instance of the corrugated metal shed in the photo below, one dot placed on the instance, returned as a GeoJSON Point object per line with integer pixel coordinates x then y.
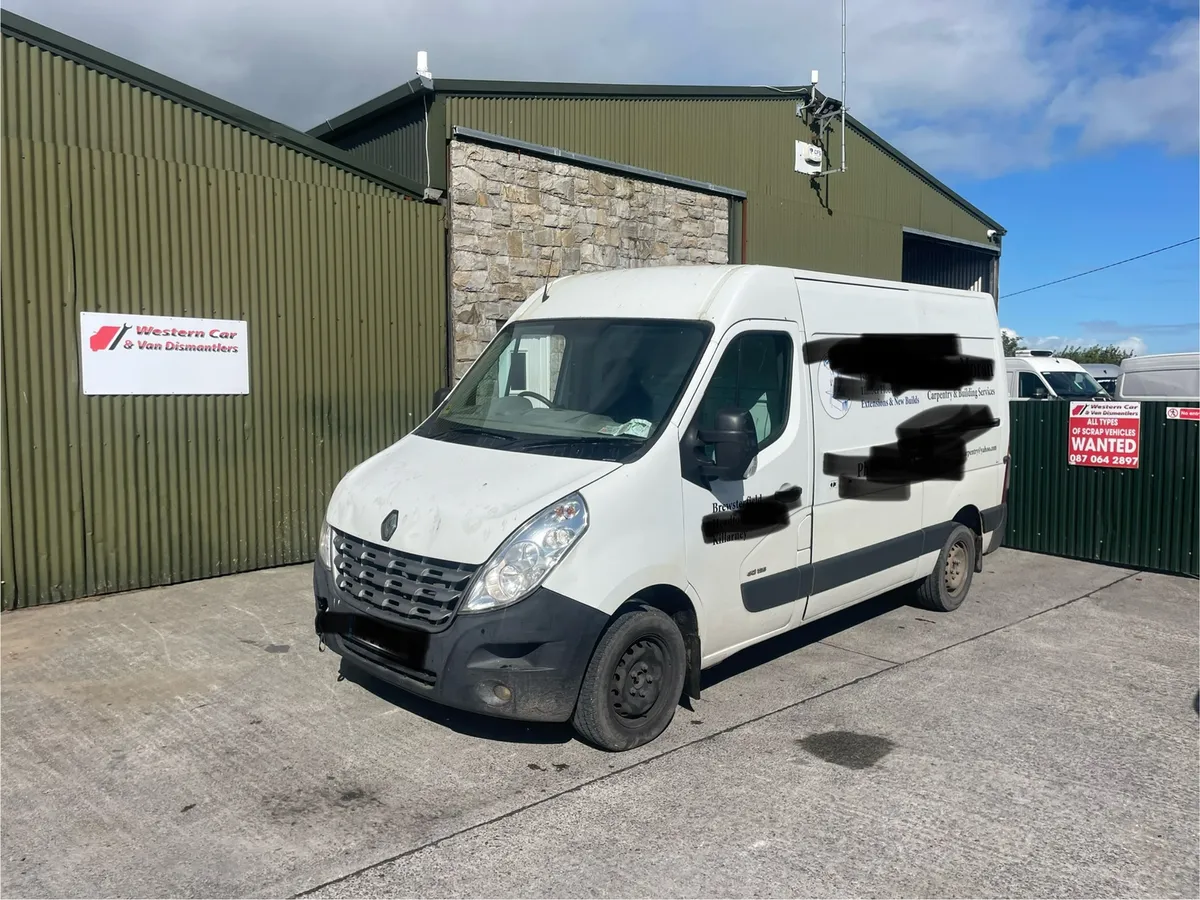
{"type": "Point", "coordinates": [126, 193]}
{"type": "Point", "coordinates": [742, 137]}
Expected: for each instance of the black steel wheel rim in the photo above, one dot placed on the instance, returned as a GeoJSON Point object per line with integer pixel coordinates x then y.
{"type": "Point", "coordinates": [637, 680]}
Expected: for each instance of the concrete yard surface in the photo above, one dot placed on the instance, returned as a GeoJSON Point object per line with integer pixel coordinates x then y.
{"type": "Point", "coordinates": [191, 741]}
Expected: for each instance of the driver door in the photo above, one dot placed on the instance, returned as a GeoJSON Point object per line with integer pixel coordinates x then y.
{"type": "Point", "coordinates": [750, 585]}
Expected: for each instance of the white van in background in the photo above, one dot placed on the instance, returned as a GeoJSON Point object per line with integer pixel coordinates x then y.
{"type": "Point", "coordinates": [649, 470]}
{"type": "Point", "coordinates": [1040, 375]}
{"type": "Point", "coordinates": [1163, 376]}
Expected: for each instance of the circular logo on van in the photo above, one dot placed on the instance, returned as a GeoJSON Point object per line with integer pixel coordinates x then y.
{"type": "Point", "coordinates": [825, 378]}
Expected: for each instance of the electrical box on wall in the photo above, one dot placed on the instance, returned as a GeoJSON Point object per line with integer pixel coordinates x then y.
{"type": "Point", "coordinates": [809, 158]}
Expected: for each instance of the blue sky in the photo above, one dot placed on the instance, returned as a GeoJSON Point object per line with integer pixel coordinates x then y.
{"type": "Point", "coordinates": [1075, 123]}
{"type": "Point", "coordinates": [1087, 212]}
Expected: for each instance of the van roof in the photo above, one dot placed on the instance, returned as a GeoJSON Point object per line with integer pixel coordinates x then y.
{"type": "Point", "coordinates": [1161, 361]}
{"type": "Point", "coordinates": [676, 292]}
{"type": "Point", "coordinates": [1043, 364]}
{"type": "Point", "coordinates": [1102, 370]}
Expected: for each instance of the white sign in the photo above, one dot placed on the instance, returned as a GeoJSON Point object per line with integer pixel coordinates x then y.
{"type": "Point", "coordinates": [808, 158]}
{"type": "Point", "coordinates": [1111, 409]}
{"type": "Point", "coordinates": [1191, 413]}
{"type": "Point", "coordinates": [162, 355]}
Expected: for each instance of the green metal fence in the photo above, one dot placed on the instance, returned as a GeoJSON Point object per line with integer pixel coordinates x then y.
{"type": "Point", "coordinates": [1145, 518]}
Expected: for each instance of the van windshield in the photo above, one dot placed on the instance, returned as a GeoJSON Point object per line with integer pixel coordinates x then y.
{"type": "Point", "coordinates": [1073, 385]}
{"type": "Point", "coordinates": [586, 388]}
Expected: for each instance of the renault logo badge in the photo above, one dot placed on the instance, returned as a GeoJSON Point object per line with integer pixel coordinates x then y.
{"type": "Point", "coordinates": [388, 528]}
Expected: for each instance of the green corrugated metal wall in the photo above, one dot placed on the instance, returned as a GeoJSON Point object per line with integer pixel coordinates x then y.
{"type": "Point", "coordinates": [115, 199]}
{"type": "Point", "coordinates": [749, 145]}
{"type": "Point", "coordinates": [1146, 518]}
{"type": "Point", "coordinates": [398, 144]}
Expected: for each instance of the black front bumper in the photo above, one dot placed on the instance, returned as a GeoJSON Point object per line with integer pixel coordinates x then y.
{"type": "Point", "coordinates": [538, 649]}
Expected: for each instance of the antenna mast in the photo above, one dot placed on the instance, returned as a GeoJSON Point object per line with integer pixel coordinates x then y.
{"type": "Point", "coordinates": [843, 168]}
{"type": "Point", "coordinates": [819, 111]}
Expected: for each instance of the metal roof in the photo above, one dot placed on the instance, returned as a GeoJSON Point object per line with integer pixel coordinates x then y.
{"type": "Point", "coordinates": [420, 87]}
{"type": "Point", "coordinates": [23, 29]}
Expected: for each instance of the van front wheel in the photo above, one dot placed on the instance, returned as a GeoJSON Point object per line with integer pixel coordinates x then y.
{"type": "Point", "coordinates": [947, 585]}
{"type": "Point", "coordinates": [634, 681]}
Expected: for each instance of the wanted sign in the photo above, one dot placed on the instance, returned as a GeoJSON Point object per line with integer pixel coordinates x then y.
{"type": "Point", "coordinates": [1107, 435]}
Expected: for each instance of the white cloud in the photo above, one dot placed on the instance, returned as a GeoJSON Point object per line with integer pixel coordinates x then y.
{"type": "Point", "coordinates": [968, 86]}
{"type": "Point", "coordinates": [1134, 343]}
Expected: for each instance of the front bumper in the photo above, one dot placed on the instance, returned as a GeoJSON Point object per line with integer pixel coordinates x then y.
{"type": "Point", "coordinates": [525, 662]}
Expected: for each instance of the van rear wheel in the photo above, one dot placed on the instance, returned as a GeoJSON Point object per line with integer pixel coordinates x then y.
{"type": "Point", "coordinates": [947, 585]}
{"type": "Point", "coordinates": [634, 681]}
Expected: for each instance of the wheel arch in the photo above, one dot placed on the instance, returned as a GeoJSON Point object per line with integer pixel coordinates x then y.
{"type": "Point", "coordinates": [675, 603]}
{"type": "Point", "coordinates": [972, 518]}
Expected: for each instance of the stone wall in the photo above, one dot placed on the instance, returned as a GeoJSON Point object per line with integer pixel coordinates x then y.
{"type": "Point", "coordinates": [517, 219]}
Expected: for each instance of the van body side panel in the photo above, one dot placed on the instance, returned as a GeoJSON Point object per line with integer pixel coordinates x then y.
{"type": "Point", "coordinates": [870, 538]}
{"type": "Point", "coordinates": [982, 485]}
{"type": "Point", "coordinates": [862, 544]}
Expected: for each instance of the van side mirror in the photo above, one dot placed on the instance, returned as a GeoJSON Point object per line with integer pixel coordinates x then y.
{"type": "Point", "coordinates": [1040, 393]}
{"type": "Point", "coordinates": [439, 395]}
{"type": "Point", "coordinates": [735, 444]}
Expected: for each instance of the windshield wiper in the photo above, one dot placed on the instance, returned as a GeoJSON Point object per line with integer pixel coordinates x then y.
{"type": "Point", "coordinates": [452, 428]}
{"type": "Point", "coordinates": [564, 441]}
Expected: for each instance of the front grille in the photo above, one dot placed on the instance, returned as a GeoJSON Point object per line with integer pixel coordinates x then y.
{"type": "Point", "coordinates": [425, 592]}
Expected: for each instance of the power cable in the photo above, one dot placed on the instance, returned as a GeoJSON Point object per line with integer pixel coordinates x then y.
{"type": "Point", "coordinates": [1100, 268]}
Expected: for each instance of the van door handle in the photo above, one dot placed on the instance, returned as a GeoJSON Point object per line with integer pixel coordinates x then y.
{"type": "Point", "coordinates": [788, 493]}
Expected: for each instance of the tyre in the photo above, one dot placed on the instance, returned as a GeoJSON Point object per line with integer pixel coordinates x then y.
{"type": "Point", "coordinates": [947, 585]}
{"type": "Point", "coordinates": [634, 681]}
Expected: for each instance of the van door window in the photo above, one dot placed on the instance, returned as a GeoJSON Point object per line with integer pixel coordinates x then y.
{"type": "Point", "coordinates": [1032, 387]}
{"type": "Point", "coordinates": [755, 374]}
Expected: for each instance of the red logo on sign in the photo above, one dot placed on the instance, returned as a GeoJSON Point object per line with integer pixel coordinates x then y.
{"type": "Point", "coordinates": [1191, 413]}
{"type": "Point", "coordinates": [107, 337]}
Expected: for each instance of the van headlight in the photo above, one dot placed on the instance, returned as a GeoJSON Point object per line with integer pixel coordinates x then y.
{"type": "Point", "coordinates": [528, 556]}
{"type": "Point", "coordinates": [325, 545]}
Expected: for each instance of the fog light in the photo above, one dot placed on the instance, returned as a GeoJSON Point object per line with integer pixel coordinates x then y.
{"type": "Point", "coordinates": [493, 693]}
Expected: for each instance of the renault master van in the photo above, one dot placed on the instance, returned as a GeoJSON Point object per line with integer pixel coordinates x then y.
{"type": "Point", "coordinates": [1040, 375]}
{"type": "Point", "coordinates": [649, 470]}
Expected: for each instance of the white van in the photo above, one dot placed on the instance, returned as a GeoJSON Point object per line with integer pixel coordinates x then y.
{"type": "Point", "coordinates": [1040, 375]}
{"type": "Point", "coordinates": [651, 492]}
{"type": "Point", "coordinates": [1162, 376]}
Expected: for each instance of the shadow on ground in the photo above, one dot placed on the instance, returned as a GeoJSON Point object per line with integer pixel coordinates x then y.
{"type": "Point", "coordinates": [801, 637]}
{"type": "Point", "coordinates": [497, 729]}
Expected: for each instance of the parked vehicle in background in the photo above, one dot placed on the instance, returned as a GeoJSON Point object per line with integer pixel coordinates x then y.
{"type": "Point", "coordinates": [1040, 375]}
{"type": "Point", "coordinates": [1162, 376]}
{"type": "Point", "coordinates": [649, 470]}
{"type": "Point", "coordinates": [1105, 375]}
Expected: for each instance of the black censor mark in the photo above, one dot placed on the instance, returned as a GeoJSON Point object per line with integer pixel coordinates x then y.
{"type": "Point", "coordinates": [930, 445]}
{"type": "Point", "coordinates": [751, 518]}
{"type": "Point", "coordinates": [900, 362]}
